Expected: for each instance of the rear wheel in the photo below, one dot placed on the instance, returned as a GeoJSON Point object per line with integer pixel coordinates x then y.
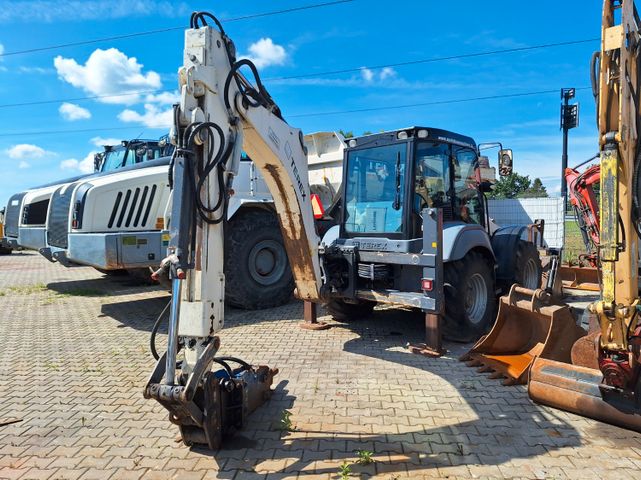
{"type": "Point", "coordinates": [470, 302]}
{"type": "Point", "coordinates": [528, 269]}
{"type": "Point", "coordinates": [257, 273]}
{"type": "Point", "coordinates": [5, 250]}
{"type": "Point", "coordinates": [344, 312]}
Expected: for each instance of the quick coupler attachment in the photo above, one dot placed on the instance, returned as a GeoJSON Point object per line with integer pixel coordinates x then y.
{"type": "Point", "coordinates": [211, 405]}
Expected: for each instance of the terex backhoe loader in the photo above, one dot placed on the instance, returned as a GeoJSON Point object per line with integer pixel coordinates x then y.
{"type": "Point", "coordinates": [595, 373]}
{"type": "Point", "coordinates": [412, 200]}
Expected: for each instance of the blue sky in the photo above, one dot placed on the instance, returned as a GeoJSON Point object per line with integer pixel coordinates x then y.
{"type": "Point", "coordinates": [351, 35]}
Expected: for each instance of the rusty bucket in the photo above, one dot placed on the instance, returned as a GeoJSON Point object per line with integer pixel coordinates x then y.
{"type": "Point", "coordinates": [580, 278]}
{"type": "Point", "coordinates": [577, 389]}
{"type": "Point", "coordinates": [527, 326]}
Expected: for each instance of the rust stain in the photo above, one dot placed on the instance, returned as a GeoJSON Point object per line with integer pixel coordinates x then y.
{"type": "Point", "coordinates": [299, 255]}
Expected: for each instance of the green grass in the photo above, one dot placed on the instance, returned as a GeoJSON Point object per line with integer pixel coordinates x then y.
{"type": "Point", "coordinates": [27, 289]}
{"type": "Point", "coordinates": [51, 294]}
{"type": "Point", "coordinates": [573, 244]}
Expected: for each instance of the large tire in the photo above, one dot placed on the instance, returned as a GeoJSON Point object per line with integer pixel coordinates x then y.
{"type": "Point", "coordinates": [470, 300]}
{"type": "Point", "coordinates": [257, 273]}
{"type": "Point", "coordinates": [5, 251]}
{"type": "Point", "coordinates": [344, 312]}
{"type": "Point", "coordinates": [527, 266]}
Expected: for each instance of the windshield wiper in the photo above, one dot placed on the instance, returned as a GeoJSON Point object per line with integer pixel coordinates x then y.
{"type": "Point", "coordinates": [397, 194]}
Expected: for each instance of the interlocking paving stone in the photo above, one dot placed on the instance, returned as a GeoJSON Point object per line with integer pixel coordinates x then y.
{"type": "Point", "coordinates": [75, 358]}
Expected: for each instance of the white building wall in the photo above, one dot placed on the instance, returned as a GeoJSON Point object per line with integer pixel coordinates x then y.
{"type": "Point", "coordinates": [522, 211]}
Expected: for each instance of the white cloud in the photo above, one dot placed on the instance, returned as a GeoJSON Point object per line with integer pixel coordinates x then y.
{"type": "Point", "coordinates": [83, 166]}
{"type": "Point", "coordinates": [166, 98]}
{"type": "Point", "coordinates": [23, 164]}
{"type": "Point", "coordinates": [26, 151]}
{"type": "Point", "coordinates": [101, 142]}
{"type": "Point", "coordinates": [367, 74]}
{"type": "Point", "coordinates": [38, 70]}
{"type": "Point", "coordinates": [1, 49]}
{"type": "Point", "coordinates": [78, 10]}
{"type": "Point", "coordinates": [154, 117]}
{"type": "Point", "coordinates": [108, 72]}
{"type": "Point", "coordinates": [387, 72]}
{"type": "Point", "coordinates": [265, 53]}
{"type": "Point", "coordinates": [71, 112]}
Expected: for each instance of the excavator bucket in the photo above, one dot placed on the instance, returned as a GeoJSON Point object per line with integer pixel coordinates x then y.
{"type": "Point", "coordinates": [580, 278]}
{"type": "Point", "coordinates": [527, 327]}
{"type": "Point", "coordinates": [578, 386]}
{"type": "Point", "coordinates": [579, 390]}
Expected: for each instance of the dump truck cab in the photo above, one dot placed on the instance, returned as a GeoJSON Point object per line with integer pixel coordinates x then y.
{"type": "Point", "coordinates": [390, 181]}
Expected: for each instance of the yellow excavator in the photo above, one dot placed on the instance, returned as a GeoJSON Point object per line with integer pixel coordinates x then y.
{"type": "Point", "coordinates": [595, 373]}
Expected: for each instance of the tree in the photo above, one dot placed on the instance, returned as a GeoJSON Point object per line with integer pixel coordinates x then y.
{"type": "Point", "coordinates": [510, 186]}
{"type": "Point", "coordinates": [537, 190]}
{"type": "Point", "coordinates": [349, 134]}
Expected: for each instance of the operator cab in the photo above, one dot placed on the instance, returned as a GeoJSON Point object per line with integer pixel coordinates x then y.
{"type": "Point", "coordinates": [391, 177]}
{"type": "Point", "coordinates": [130, 153]}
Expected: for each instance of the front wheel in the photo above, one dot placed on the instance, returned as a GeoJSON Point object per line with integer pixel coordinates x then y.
{"type": "Point", "coordinates": [470, 302]}
{"type": "Point", "coordinates": [344, 312]}
{"type": "Point", "coordinates": [527, 265]}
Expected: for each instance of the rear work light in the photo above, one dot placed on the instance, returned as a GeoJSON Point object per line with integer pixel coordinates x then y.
{"type": "Point", "coordinates": [317, 206]}
{"type": "Point", "coordinates": [427, 284]}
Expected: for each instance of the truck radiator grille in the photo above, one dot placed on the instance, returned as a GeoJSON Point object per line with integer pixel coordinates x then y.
{"type": "Point", "coordinates": [132, 207]}
{"type": "Point", "coordinates": [373, 271]}
{"type": "Point", "coordinates": [12, 215]}
{"type": "Point", "coordinates": [58, 219]}
{"type": "Point", "coordinates": [35, 213]}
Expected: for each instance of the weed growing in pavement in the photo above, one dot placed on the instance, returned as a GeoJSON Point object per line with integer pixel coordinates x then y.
{"type": "Point", "coordinates": [27, 289]}
{"type": "Point", "coordinates": [344, 470]}
{"type": "Point", "coordinates": [51, 366]}
{"type": "Point", "coordinates": [364, 457]}
{"type": "Point", "coordinates": [286, 421]}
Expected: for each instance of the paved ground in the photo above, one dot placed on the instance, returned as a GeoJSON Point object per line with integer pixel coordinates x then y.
{"type": "Point", "coordinates": [74, 359]}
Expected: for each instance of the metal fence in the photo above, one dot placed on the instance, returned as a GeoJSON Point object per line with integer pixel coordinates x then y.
{"type": "Point", "coordinates": [521, 211]}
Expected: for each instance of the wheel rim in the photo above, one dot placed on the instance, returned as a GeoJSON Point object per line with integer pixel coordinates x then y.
{"type": "Point", "coordinates": [476, 298]}
{"type": "Point", "coordinates": [531, 274]}
{"type": "Point", "coordinates": [267, 262]}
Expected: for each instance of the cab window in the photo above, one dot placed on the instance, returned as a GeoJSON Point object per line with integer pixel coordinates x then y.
{"type": "Point", "coordinates": [467, 204]}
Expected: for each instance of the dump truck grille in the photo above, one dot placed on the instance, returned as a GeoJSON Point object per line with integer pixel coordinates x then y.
{"type": "Point", "coordinates": [12, 215]}
{"type": "Point", "coordinates": [132, 207]}
{"type": "Point", "coordinates": [35, 213]}
{"type": "Point", "coordinates": [58, 220]}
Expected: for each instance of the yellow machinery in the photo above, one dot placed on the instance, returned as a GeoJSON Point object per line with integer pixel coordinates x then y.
{"type": "Point", "coordinates": [595, 373]}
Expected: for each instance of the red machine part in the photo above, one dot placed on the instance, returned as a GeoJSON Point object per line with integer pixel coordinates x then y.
{"type": "Point", "coordinates": [584, 200]}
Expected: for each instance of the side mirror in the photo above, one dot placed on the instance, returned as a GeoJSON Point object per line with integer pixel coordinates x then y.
{"type": "Point", "coordinates": [485, 187]}
{"type": "Point", "coordinates": [97, 160]}
{"type": "Point", "coordinates": [505, 162]}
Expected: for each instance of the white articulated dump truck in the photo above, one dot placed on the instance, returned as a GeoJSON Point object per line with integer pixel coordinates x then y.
{"type": "Point", "coordinates": [26, 212]}
{"type": "Point", "coordinates": [118, 222]}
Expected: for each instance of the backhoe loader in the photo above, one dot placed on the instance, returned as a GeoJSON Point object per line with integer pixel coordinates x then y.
{"type": "Point", "coordinates": [595, 373]}
{"type": "Point", "coordinates": [412, 201]}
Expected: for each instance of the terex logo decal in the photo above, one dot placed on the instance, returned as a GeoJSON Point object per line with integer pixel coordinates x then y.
{"type": "Point", "coordinates": [371, 245]}
{"type": "Point", "coordinates": [301, 185]}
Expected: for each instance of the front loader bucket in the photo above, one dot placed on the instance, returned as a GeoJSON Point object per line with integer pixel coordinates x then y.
{"type": "Point", "coordinates": [526, 327]}
{"type": "Point", "coordinates": [580, 278]}
{"type": "Point", "coordinates": [577, 389]}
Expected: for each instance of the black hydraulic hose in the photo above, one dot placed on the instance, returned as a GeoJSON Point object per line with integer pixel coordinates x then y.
{"type": "Point", "coordinates": [154, 332]}
{"type": "Point", "coordinates": [237, 360]}
{"type": "Point", "coordinates": [225, 365]}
